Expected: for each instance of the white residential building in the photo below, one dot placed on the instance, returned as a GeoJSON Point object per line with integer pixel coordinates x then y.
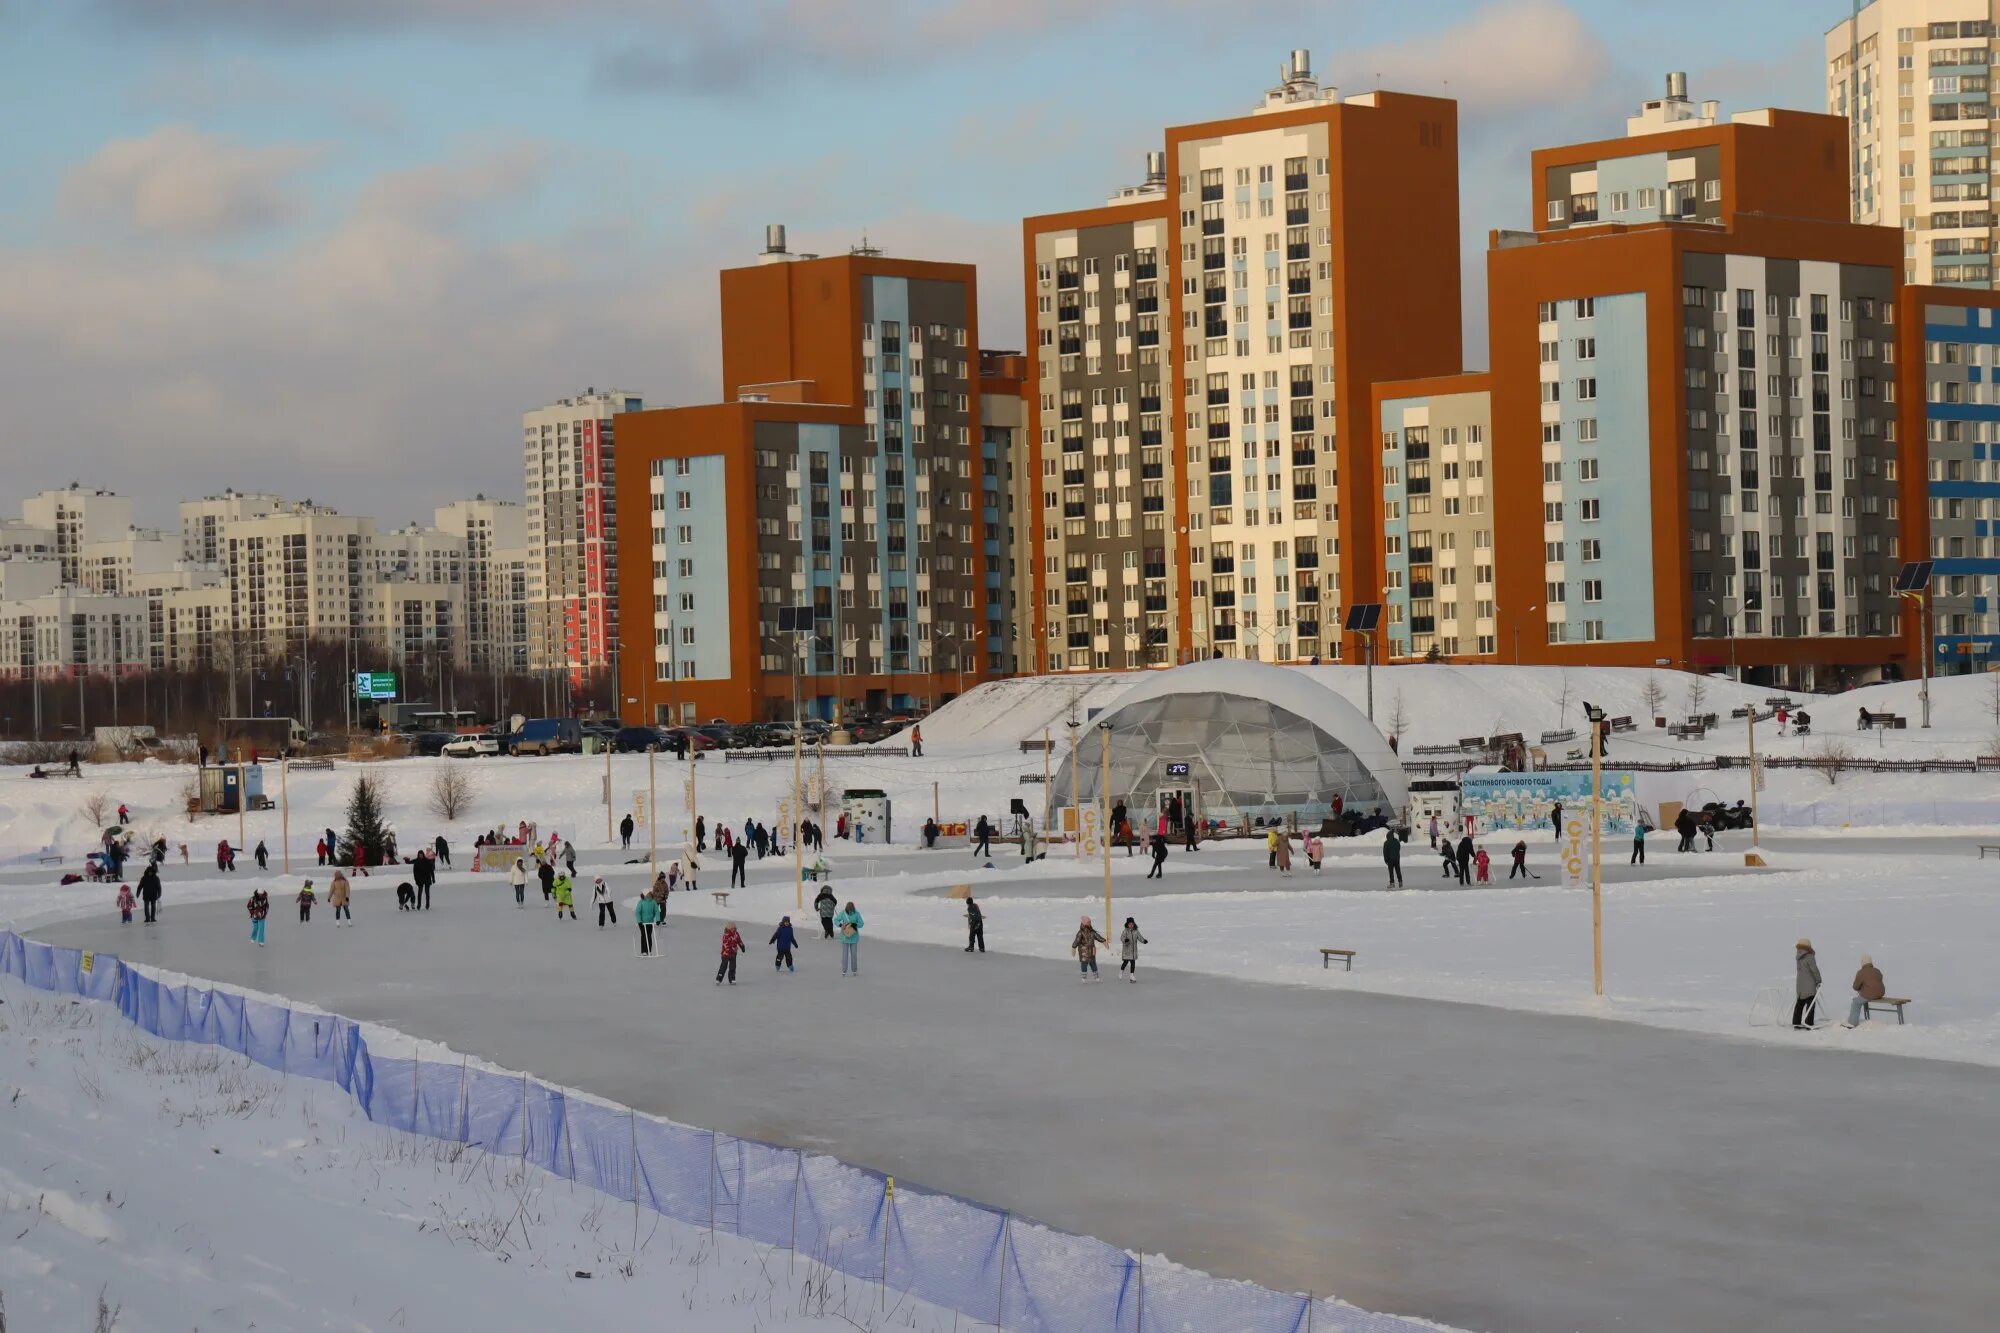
{"type": "Point", "coordinates": [572, 530]}
{"type": "Point", "coordinates": [77, 517]}
{"type": "Point", "coordinates": [203, 520]}
{"type": "Point", "coordinates": [19, 538]}
{"type": "Point", "coordinates": [1914, 79]}
{"type": "Point", "coordinates": [68, 630]}
{"type": "Point", "coordinates": [495, 533]}
{"type": "Point", "coordinates": [111, 564]}
{"type": "Point", "coordinates": [25, 576]}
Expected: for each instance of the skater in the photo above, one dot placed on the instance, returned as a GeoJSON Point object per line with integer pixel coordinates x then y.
{"type": "Point", "coordinates": [1784, 717]}
{"type": "Point", "coordinates": [601, 896]}
{"type": "Point", "coordinates": [1556, 819]}
{"type": "Point", "coordinates": [547, 874]}
{"type": "Point", "coordinates": [565, 897]}
{"type": "Point", "coordinates": [126, 902]}
{"type": "Point", "coordinates": [332, 848]}
{"type": "Point", "coordinates": [1640, 828]}
{"type": "Point", "coordinates": [336, 897]}
{"type": "Point", "coordinates": [1084, 946]}
{"type": "Point", "coordinates": [1806, 1007]}
{"type": "Point", "coordinates": [1191, 825]}
{"type": "Point", "coordinates": [1465, 854]}
{"type": "Point", "coordinates": [647, 914]}
{"type": "Point", "coordinates": [1121, 828]}
{"type": "Point", "coordinates": [149, 892]}
{"type": "Point", "coordinates": [930, 833]}
{"type": "Point", "coordinates": [739, 856]}
{"type": "Point", "coordinates": [975, 926]}
{"type": "Point", "coordinates": [625, 831]}
{"type": "Point", "coordinates": [1271, 848]}
{"type": "Point", "coordinates": [263, 857]}
{"type": "Point", "coordinates": [1684, 826]}
{"type": "Point", "coordinates": [826, 904]}
{"type": "Point", "coordinates": [1868, 985]}
{"type": "Point", "coordinates": [1129, 940]}
{"type": "Point", "coordinates": [424, 871]}
{"type": "Point", "coordinates": [1392, 856]}
{"type": "Point", "coordinates": [260, 907]}
{"type": "Point", "coordinates": [784, 940]}
{"type": "Point", "coordinates": [306, 900]}
{"type": "Point", "coordinates": [1485, 864]}
{"type": "Point", "coordinates": [732, 944]}
{"type": "Point", "coordinates": [1707, 828]}
{"type": "Point", "coordinates": [916, 742]}
{"type": "Point", "coordinates": [848, 925]}
{"type": "Point", "coordinates": [1284, 854]}
{"type": "Point", "coordinates": [443, 850]}
{"type": "Point", "coordinates": [982, 836]}
{"type": "Point", "coordinates": [1159, 848]}
{"type": "Point", "coordinates": [1520, 860]}
{"type": "Point", "coordinates": [1449, 849]}
{"type": "Point", "coordinates": [700, 834]}
{"type": "Point", "coordinates": [225, 856]}
{"type": "Point", "coordinates": [518, 877]}
{"type": "Point", "coordinates": [124, 814]}
{"type": "Point", "coordinates": [75, 768]}
{"type": "Point", "coordinates": [1315, 851]}
{"type": "Point", "coordinates": [1434, 830]}
{"type": "Point", "coordinates": [406, 897]}
{"type": "Point", "coordinates": [569, 859]}
{"type": "Point", "coordinates": [319, 849]}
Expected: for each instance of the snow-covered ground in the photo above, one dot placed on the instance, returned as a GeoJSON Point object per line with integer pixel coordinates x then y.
{"type": "Point", "coordinates": [1690, 952]}
{"type": "Point", "coordinates": [160, 1185]}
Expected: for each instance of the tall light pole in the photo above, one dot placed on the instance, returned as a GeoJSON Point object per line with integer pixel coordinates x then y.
{"type": "Point", "coordinates": [1921, 599]}
{"type": "Point", "coordinates": [1517, 631]}
{"type": "Point", "coordinates": [1104, 830]}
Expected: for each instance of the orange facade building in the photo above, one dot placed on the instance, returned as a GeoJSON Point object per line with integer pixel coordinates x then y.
{"type": "Point", "coordinates": [844, 473]}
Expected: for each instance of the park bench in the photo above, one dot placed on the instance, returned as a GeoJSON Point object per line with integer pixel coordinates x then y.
{"type": "Point", "coordinates": [1687, 731]}
{"type": "Point", "coordinates": [49, 856]}
{"type": "Point", "coordinates": [1984, 848]}
{"type": "Point", "coordinates": [1623, 724]}
{"type": "Point", "coordinates": [1037, 746]}
{"type": "Point", "coordinates": [1887, 722]}
{"type": "Point", "coordinates": [1472, 743]}
{"type": "Point", "coordinates": [1886, 1002]}
{"type": "Point", "coordinates": [1326, 957]}
{"type": "Point", "coordinates": [721, 897]}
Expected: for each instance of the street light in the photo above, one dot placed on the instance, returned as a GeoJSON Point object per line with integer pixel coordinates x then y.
{"type": "Point", "coordinates": [1517, 631]}
{"type": "Point", "coordinates": [1727, 631]}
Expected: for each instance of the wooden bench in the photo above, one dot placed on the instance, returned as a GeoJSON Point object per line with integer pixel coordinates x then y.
{"type": "Point", "coordinates": [721, 897]}
{"type": "Point", "coordinates": [1886, 1002]}
{"type": "Point", "coordinates": [1986, 847]}
{"type": "Point", "coordinates": [1687, 732]}
{"type": "Point", "coordinates": [1037, 746]}
{"type": "Point", "coordinates": [1887, 722]}
{"type": "Point", "coordinates": [1326, 957]}
{"type": "Point", "coordinates": [1623, 724]}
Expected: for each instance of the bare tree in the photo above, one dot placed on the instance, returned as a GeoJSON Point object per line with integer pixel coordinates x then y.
{"type": "Point", "coordinates": [1654, 695]}
{"type": "Point", "coordinates": [1399, 718]}
{"type": "Point", "coordinates": [1697, 694]}
{"type": "Point", "coordinates": [1830, 758]}
{"type": "Point", "coordinates": [1562, 701]}
{"type": "Point", "coordinates": [451, 791]}
{"type": "Point", "coordinates": [97, 807]}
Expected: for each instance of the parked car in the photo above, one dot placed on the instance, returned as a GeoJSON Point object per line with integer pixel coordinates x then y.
{"type": "Point", "coordinates": [637, 740]}
{"type": "Point", "coordinates": [719, 734]}
{"type": "Point", "coordinates": [472, 747]}
{"type": "Point", "coordinates": [754, 735]}
{"type": "Point", "coordinates": [431, 742]}
{"type": "Point", "coordinates": [672, 738]}
{"type": "Point", "coordinates": [547, 735]}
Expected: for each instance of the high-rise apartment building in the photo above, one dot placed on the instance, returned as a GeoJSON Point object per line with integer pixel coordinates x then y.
{"type": "Point", "coordinates": [70, 631]}
{"type": "Point", "coordinates": [1232, 314]}
{"type": "Point", "coordinates": [495, 536]}
{"type": "Point", "coordinates": [1914, 80]}
{"type": "Point", "coordinates": [1690, 445]}
{"type": "Point", "coordinates": [1005, 459]}
{"type": "Point", "coordinates": [569, 452]}
{"type": "Point", "coordinates": [203, 521]}
{"type": "Point", "coordinates": [842, 475]}
{"type": "Point", "coordinates": [77, 516]}
{"type": "Point", "coordinates": [1950, 364]}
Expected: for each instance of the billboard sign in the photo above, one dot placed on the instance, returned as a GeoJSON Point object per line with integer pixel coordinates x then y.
{"type": "Point", "coordinates": [1523, 802]}
{"type": "Point", "coordinates": [374, 684]}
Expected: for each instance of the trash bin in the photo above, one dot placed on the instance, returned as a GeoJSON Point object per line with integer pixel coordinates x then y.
{"type": "Point", "coordinates": [592, 745]}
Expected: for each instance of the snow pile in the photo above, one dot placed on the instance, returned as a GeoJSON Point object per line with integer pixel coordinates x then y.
{"type": "Point", "coordinates": [149, 1184]}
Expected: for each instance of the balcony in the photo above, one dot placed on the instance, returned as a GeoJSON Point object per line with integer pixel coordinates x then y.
{"type": "Point", "coordinates": [1152, 504]}
{"type": "Point", "coordinates": [1144, 271]}
{"type": "Point", "coordinates": [1308, 596]}
{"type": "Point", "coordinates": [1156, 635]}
{"type": "Point", "coordinates": [1072, 444]}
{"type": "Point", "coordinates": [1151, 404]}
{"type": "Point", "coordinates": [1218, 430]}
{"type": "Point", "coordinates": [1306, 560]}
{"type": "Point", "coordinates": [1420, 555]}
{"type": "Point", "coordinates": [1304, 457]}
{"type": "Point", "coordinates": [1308, 629]}
{"type": "Point", "coordinates": [1072, 411]}
{"type": "Point", "coordinates": [1210, 193]}
{"type": "Point", "coordinates": [1299, 251]}
{"type": "Point", "coordinates": [1302, 425]}
{"type": "Point", "coordinates": [1293, 184]}
{"type": "Point", "coordinates": [1148, 338]}
{"type": "Point", "coordinates": [1077, 574]}
{"type": "Point", "coordinates": [1220, 463]}
{"type": "Point", "coordinates": [1298, 321]}
{"type": "Point", "coordinates": [1417, 486]}
{"type": "Point", "coordinates": [1295, 217]}
{"type": "Point", "coordinates": [1225, 634]}
{"type": "Point", "coordinates": [1211, 226]}
{"type": "Point", "coordinates": [1214, 261]}
{"type": "Point", "coordinates": [1422, 588]}
{"type": "Point", "coordinates": [1069, 314]}
{"type": "Point", "coordinates": [1298, 286]}
{"type": "Point", "coordinates": [1222, 564]}
{"type": "Point", "coordinates": [1147, 437]}
{"type": "Point", "coordinates": [1076, 511]}
{"type": "Point", "coordinates": [1154, 571]}
{"type": "Point", "coordinates": [1079, 606]}
{"type": "Point", "coordinates": [1146, 305]}
{"type": "Point", "coordinates": [1080, 640]}
{"type": "Point", "coordinates": [1215, 329]}
{"type": "Point", "coordinates": [1152, 471]}
{"type": "Point", "coordinates": [1064, 282]}
{"type": "Point", "coordinates": [1417, 451]}
{"type": "Point", "coordinates": [1423, 624]}
{"type": "Point", "coordinates": [1069, 346]}
{"type": "Point", "coordinates": [1074, 476]}
{"type": "Point", "coordinates": [1156, 603]}
{"type": "Point", "coordinates": [1308, 491]}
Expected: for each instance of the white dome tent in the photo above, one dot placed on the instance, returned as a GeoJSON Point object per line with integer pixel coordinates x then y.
{"type": "Point", "coordinates": [1258, 741]}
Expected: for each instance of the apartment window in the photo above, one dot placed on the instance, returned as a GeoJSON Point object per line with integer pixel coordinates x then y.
{"type": "Point", "coordinates": [1556, 209]}
{"type": "Point", "coordinates": [1589, 510]}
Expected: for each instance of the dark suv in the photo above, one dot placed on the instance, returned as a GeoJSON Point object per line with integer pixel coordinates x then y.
{"type": "Point", "coordinates": [636, 740]}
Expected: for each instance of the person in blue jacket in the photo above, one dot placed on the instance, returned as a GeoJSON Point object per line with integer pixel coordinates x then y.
{"type": "Point", "coordinates": [783, 938]}
{"type": "Point", "coordinates": [847, 929]}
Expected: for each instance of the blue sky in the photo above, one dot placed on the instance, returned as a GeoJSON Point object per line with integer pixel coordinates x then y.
{"type": "Point", "coordinates": [334, 247]}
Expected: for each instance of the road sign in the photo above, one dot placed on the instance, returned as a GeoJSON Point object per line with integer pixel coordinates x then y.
{"type": "Point", "coordinates": [374, 684]}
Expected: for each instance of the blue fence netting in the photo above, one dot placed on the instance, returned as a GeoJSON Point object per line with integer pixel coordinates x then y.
{"type": "Point", "coordinates": [957, 1254]}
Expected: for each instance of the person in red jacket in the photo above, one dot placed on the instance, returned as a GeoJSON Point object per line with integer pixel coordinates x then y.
{"type": "Point", "coordinates": [732, 944]}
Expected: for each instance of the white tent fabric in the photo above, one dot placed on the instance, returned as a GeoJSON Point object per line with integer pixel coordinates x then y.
{"type": "Point", "coordinates": [1259, 740]}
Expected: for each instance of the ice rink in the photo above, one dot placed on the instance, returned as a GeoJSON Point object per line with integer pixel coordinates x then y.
{"type": "Point", "coordinates": [1479, 1166]}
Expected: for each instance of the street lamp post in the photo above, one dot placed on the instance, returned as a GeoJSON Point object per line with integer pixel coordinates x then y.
{"type": "Point", "coordinates": [1517, 631]}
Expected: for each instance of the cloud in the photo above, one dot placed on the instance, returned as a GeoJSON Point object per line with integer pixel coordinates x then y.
{"type": "Point", "coordinates": [178, 181]}
{"type": "Point", "coordinates": [1508, 55]}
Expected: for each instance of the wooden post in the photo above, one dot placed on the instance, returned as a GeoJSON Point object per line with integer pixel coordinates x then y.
{"type": "Point", "coordinates": [1000, 1307]}
{"type": "Point", "coordinates": [798, 817]}
{"type": "Point", "coordinates": [1753, 858]}
{"type": "Point", "coordinates": [1105, 831]}
{"type": "Point", "coordinates": [1047, 796]}
{"type": "Point", "coordinates": [1596, 856]}
{"type": "Point", "coordinates": [607, 793]}
{"type": "Point", "coordinates": [652, 824]}
{"type": "Point", "coordinates": [1075, 801]}
{"type": "Point", "coordinates": [242, 801]}
{"type": "Point", "coordinates": [936, 816]}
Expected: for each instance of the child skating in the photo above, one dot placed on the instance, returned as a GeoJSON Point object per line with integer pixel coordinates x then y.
{"type": "Point", "coordinates": [732, 944]}
{"type": "Point", "coordinates": [1084, 946]}
{"type": "Point", "coordinates": [647, 914]}
{"type": "Point", "coordinates": [126, 902]}
{"type": "Point", "coordinates": [1129, 940]}
{"type": "Point", "coordinates": [565, 895]}
{"type": "Point", "coordinates": [1485, 865]}
{"type": "Point", "coordinates": [601, 897]}
{"type": "Point", "coordinates": [785, 940]}
{"type": "Point", "coordinates": [306, 900]}
{"type": "Point", "coordinates": [260, 908]}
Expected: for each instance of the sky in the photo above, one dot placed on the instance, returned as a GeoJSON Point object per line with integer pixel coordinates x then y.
{"type": "Point", "coordinates": [334, 248]}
